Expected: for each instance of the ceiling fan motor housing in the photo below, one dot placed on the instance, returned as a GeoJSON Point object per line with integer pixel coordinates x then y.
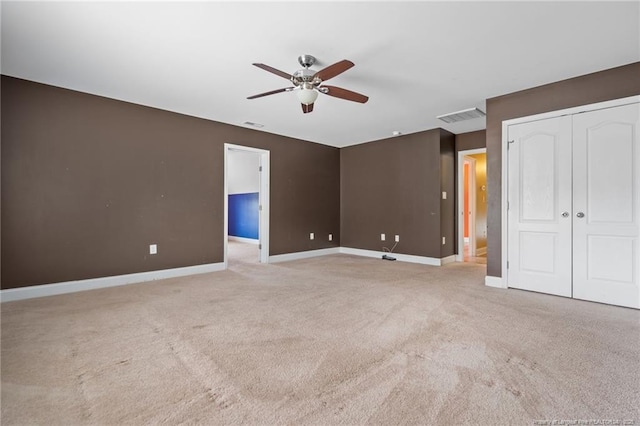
{"type": "Point", "coordinates": [306, 60]}
{"type": "Point", "coordinates": [305, 76]}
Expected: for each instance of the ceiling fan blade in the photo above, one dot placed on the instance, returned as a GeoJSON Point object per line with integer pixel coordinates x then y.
{"type": "Point", "coordinates": [274, 71]}
{"type": "Point", "coordinates": [307, 108]}
{"type": "Point", "coordinates": [273, 92]}
{"type": "Point", "coordinates": [341, 93]}
{"type": "Point", "coordinates": [333, 70]}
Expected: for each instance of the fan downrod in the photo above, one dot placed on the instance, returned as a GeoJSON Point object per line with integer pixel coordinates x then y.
{"type": "Point", "coordinates": [306, 60]}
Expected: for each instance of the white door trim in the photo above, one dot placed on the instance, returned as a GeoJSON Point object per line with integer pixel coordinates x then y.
{"type": "Point", "coordinates": [505, 160]}
{"type": "Point", "coordinates": [263, 235]}
{"type": "Point", "coordinates": [461, 159]}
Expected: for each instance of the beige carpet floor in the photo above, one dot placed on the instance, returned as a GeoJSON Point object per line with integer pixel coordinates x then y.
{"type": "Point", "coordinates": [331, 340]}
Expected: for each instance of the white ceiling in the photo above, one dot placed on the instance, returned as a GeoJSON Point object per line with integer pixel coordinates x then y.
{"type": "Point", "coordinates": [415, 60]}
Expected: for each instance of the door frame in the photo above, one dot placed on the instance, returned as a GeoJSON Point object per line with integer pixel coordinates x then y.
{"type": "Point", "coordinates": [264, 198]}
{"type": "Point", "coordinates": [462, 157]}
{"type": "Point", "coordinates": [505, 168]}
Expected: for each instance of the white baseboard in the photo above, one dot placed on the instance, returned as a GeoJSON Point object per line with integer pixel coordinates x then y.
{"type": "Point", "coordinates": [303, 255]}
{"type": "Point", "coordinates": [243, 240]}
{"type": "Point", "coordinates": [31, 292]}
{"type": "Point", "coordinates": [497, 282]}
{"type": "Point", "coordinates": [360, 252]}
{"type": "Point", "coordinates": [448, 259]}
{"type": "Point", "coordinates": [432, 261]}
{"type": "Point", "coordinates": [459, 257]}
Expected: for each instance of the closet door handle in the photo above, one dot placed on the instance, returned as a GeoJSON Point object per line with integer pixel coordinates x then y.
{"type": "Point", "coordinates": [580, 214]}
{"type": "Point", "coordinates": [565, 214]}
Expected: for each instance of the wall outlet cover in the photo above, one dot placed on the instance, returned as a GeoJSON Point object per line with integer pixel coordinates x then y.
{"type": "Point", "coordinates": [153, 249]}
{"type": "Point", "coordinates": [383, 237]}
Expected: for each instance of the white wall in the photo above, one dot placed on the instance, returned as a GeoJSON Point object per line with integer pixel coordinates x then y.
{"type": "Point", "coordinates": [243, 172]}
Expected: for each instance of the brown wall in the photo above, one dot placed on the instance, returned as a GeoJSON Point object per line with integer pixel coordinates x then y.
{"type": "Point", "coordinates": [89, 182]}
{"type": "Point", "coordinates": [471, 140]}
{"type": "Point", "coordinates": [393, 186]}
{"type": "Point", "coordinates": [597, 87]}
{"type": "Point", "coordinates": [448, 185]}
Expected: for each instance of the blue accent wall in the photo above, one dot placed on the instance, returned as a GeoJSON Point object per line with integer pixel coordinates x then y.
{"type": "Point", "coordinates": [243, 215]}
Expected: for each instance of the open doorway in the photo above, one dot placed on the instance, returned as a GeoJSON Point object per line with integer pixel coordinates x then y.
{"type": "Point", "coordinates": [246, 201]}
{"type": "Point", "coordinates": [472, 206]}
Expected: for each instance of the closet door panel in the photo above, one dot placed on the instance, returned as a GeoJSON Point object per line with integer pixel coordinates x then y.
{"type": "Point", "coordinates": [606, 203]}
{"type": "Point", "coordinates": [539, 244]}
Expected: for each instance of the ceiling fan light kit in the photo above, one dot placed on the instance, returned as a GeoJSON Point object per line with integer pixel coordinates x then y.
{"type": "Point", "coordinates": [307, 96]}
{"type": "Point", "coordinates": [308, 83]}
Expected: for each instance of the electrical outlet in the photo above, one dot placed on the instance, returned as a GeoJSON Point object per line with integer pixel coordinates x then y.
{"type": "Point", "coordinates": [330, 237]}
{"type": "Point", "coordinates": [444, 195]}
{"type": "Point", "coordinates": [397, 238]}
{"type": "Point", "coordinates": [383, 237]}
{"type": "Point", "coordinates": [311, 236]}
{"type": "Point", "coordinates": [153, 248]}
{"type": "Point", "coordinates": [444, 241]}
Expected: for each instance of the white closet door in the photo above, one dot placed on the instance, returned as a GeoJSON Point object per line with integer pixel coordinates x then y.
{"type": "Point", "coordinates": [539, 219]}
{"type": "Point", "coordinates": [606, 187]}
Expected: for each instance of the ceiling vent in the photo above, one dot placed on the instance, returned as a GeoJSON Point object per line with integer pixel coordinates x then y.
{"type": "Point", "coordinates": [465, 114]}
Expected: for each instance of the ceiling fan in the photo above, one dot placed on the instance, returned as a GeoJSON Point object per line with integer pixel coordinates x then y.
{"type": "Point", "coordinates": [308, 83]}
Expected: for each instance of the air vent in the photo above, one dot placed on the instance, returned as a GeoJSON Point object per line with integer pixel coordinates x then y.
{"type": "Point", "coordinates": [465, 114]}
{"type": "Point", "coordinates": [252, 124]}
